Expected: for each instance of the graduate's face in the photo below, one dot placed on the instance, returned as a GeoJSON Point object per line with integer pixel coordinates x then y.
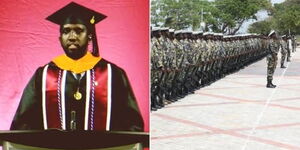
{"type": "Point", "coordinates": [74, 39]}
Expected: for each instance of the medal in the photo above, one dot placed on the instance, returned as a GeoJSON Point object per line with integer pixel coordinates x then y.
{"type": "Point", "coordinates": [78, 95]}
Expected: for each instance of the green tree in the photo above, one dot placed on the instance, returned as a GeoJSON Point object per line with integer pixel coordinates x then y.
{"type": "Point", "coordinates": [261, 27]}
{"type": "Point", "coordinates": [231, 14]}
{"type": "Point", "coordinates": [178, 14]}
{"type": "Point", "coordinates": [225, 16]}
{"type": "Point", "coordinates": [287, 17]}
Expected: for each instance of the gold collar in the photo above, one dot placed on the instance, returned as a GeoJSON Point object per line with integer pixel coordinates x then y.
{"type": "Point", "coordinates": [85, 63]}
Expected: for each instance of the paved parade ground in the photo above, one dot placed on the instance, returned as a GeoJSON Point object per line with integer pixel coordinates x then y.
{"type": "Point", "coordinates": [237, 112]}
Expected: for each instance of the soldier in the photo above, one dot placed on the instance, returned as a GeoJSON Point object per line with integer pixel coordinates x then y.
{"type": "Point", "coordinates": [272, 58]}
{"type": "Point", "coordinates": [284, 47]}
{"type": "Point", "coordinates": [182, 62]}
{"type": "Point", "coordinates": [156, 65]}
{"type": "Point", "coordinates": [294, 43]}
{"type": "Point", "coordinates": [176, 63]}
{"type": "Point", "coordinates": [220, 54]}
{"type": "Point", "coordinates": [198, 59]}
{"type": "Point", "coordinates": [235, 53]}
{"type": "Point", "coordinates": [187, 47]}
{"type": "Point", "coordinates": [171, 65]}
{"type": "Point", "coordinates": [193, 62]}
{"type": "Point", "coordinates": [228, 54]}
{"type": "Point", "coordinates": [165, 69]}
{"type": "Point", "coordinates": [208, 58]}
{"type": "Point", "coordinates": [289, 47]}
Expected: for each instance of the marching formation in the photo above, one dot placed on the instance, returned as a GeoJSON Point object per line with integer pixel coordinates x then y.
{"type": "Point", "coordinates": [184, 61]}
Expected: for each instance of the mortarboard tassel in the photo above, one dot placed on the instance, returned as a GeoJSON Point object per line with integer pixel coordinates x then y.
{"type": "Point", "coordinates": [95, 51]}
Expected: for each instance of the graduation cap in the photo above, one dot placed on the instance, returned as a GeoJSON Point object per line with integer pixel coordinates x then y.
{"type": "Point", "coordinates": [74, 13]}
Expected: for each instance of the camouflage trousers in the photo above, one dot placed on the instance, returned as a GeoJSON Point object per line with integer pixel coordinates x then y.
{"type": "Point", "coordinates": [283, 56]}
{"type": "Point", "coordinates": [272, 63]}
{"type": "Point", "coordinates": [289, 54]}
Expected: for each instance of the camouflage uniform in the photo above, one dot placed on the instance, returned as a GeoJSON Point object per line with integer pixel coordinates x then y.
{"type": "Point", "coordinates": [171, 66]}
{"type": "Point", "coordinates": [188, 50]}
{"type": "Point", "coordinates": [156, 65]}
{"type": "Point", "coordinates": [284, 47]}
{"type": "Point", "coordinates": [163, 84]}
{"type": "Point", "coordinates": [294, 43]}
{"type": "Point", "coordinates": [187, 62]}
{"type": "Point", "coordinates": [289, 47]}
{"type": "Point", "coordinates": [274, 46]}
{"type": "Point", "coordinates": [176, 83]}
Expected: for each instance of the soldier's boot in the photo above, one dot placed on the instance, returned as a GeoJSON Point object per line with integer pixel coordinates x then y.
{"type": "Point", "coordinates": [189, 88]}
{"type": "Point", "coordinates": [157, 102]}
{"type": "Point", "coordinates": [223, 74]}
{"type": "Point", "coordinates": [196, 84]}
{"type": "Point", "coordinates": [288, 59]}
{"type": "Point", "coordinates": [153, 109]}
{"type": "Point", "coordinates": [179, 92]}
{"type": "Point", "coordinates": [203, 79]}
{"type": "Point", "coordinates": [174, 96]}
{"type": "Point", "coordinates": [211, 77]}
{"type": "Point", "coordinates": [166, 99]}
{"type": "Point", "coordinates": [270, 84]}
{"type": "Point", "coordinates": [160, 100]}
{"type": "Point", "coordinates": [282, 66]}
{"type": "Point", "coordinates": [153, 106]}
{"type": "Point", "coordinates": [167, 95]}
{"type": "Point", "coordinates": [220, 72]}
{"type": "Point", "coordinates": [199, 85]}
{"type": "Point", "coordinates": [170, 96]}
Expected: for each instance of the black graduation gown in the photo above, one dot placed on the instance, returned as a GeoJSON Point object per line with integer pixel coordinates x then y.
{"type": "Point", "coordinates": [125, 115]}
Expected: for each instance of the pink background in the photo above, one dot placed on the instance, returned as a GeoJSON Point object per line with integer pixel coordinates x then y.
{"type": "Point", "coordinates": [28, 41]}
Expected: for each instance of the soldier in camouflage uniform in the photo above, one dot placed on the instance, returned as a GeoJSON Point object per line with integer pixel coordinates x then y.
{"type": "Point", "coordinates": [220, 56]}
{"type": "Point", "coordinates": [289, 47]}
{"type": "Point", "coordinates": [187, 62]}
{"type": "Point", "coordinates": [208, 58]}
{"type": "Point", "coordinates": [171, 65]}
{"type": "Point", "coordinates": [234, 55]}
{"type": "Point", "coordinates": [194, 57]}
{"type": "Point", "coordinates": [284, 49]}
{"type": "Point", "coordinates": [156, 69]}
{"type": "Point", "coordinates": [187, 47]}
{"type": "Point", "coordinates": [294, 43]}
{"type": "Point", "coordinates": [163, 84]}
{"type": "Point", "coordinates": [272, 58]}
{"type": "Point", "coordinates": [227, 59]}
{"type": "Point", "coordinates": [182, 63]}
{"type": "Point", "coordinates": [198, 58]}
{"type": "Point", "coordinates": [176, 83]}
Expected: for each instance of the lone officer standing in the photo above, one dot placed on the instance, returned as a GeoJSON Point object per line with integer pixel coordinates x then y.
{"type": "Point", "coordinates": [272, 58]}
